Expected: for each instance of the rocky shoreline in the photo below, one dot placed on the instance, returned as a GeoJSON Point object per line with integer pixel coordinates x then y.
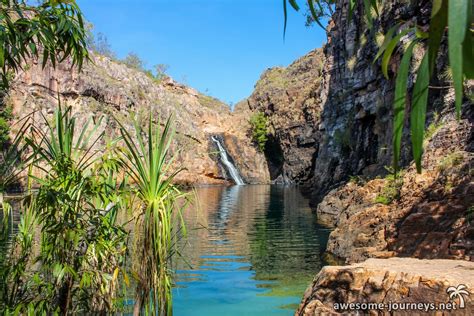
{"type": "Point", "coordinates": [430, 220]}
{"type": "Point", "coordinates": [393, 284]}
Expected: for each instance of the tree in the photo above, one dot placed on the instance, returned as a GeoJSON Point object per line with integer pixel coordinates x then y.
{"type": "Point", "coordinates": [455, 16]}
{"type": "Point", "coordinates": [160, 71]}
{"type": "Point", "coordinates": [259, 124]}
{"type": "Point", "coordinates": [53, 30]}
{"type": "Point", "coordinates": [132, 60]}
{"type": "Point", "coordinates": [101, 46]}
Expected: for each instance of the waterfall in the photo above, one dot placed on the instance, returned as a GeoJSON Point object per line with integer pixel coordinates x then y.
{"type": "Point", "coordinates": [234, 173]}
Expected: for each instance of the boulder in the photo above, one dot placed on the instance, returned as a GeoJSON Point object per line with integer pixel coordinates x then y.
{"type": "Point", "coordinates": [400, 286]}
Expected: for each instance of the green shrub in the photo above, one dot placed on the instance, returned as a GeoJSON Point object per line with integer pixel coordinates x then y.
{"type": "Point", "coordinates": [470, 215]}
{"type": "Point", "coordinates": [451, 160]}
{"type": "Point", "coordinates": [357, 180]}
{"type": "Point", "coordinates": [342, 137]}
{"type": "Point", "coordinates": [134, 61]}
{"type": "Point", "coordinates": [5, 117]}
{"type": "Point", "coordinates": [433, 127]}
{"type": "Point", "coordinates": [391, 190]}
{"type": "Point", "coordinates": [77, 224]}
{"type": "Point", "coordinates": [259, 124]}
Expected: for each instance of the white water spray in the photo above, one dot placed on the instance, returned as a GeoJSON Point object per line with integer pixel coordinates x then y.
{"type": "Point", "coordinates": [234, 173]}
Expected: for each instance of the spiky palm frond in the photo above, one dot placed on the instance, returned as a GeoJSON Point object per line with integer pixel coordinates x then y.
{"type": "Point", "coordinates": [148, 162]}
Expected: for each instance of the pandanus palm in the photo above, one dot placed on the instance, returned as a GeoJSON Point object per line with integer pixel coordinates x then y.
{"type": "Point", "coordinates": [146, 159]}
{"type": "Point", "coordinates": [81, 244]}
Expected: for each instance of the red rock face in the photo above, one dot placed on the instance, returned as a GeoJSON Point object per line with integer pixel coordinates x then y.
{"type": "Point", "coordinates": [432, 218]}
{"type": "Point", "coordinates": [286, 97]}
{"type": "Point", "coordinates": [113, 90]}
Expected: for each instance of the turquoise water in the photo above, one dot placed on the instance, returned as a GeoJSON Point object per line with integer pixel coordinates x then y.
{"type": "Point", "coordinates": [251, 250]}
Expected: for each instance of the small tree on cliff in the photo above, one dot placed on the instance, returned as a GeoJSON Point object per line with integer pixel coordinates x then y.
{"type": "Point", "coordinates": [134, 61]}
{"type": "Point", "coordinates": [259, 124]}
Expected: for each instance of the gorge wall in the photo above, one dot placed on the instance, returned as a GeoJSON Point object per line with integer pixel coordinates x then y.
{"type": "Point", "coordinates": [288, 97]}
{"type": "Point", "coordinates": [330, 116]}
{"type": "Point", "coordinates": [116, 92]}
{"type": "Point", "coordinates": [330, 112]}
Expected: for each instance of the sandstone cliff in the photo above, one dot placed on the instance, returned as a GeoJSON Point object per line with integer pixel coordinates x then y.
{"type": "Point", "coordinates": [332, 126]}
{"type": "Point", "coordinates": [287, 97]}
{"type": "Point", "coordinates": [430, 216]}
{"type": "Point", "coordinates": [110, 89]}
{"type": "Point", "coordinates": [331, 111]}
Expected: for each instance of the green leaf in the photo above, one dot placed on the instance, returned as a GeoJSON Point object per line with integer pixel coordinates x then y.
{"type": "Point", "coordinates": [386, 41]}
{"type": "Point", "coordinates": [468, 48]}
{"type": "Point", "coordinates": [399, 103]}
{"type": "Point", "coordinates": [352, 4]}
{"type": "Point", "coordinates": [367, 6]}
{"type": "Point", "coordinates": [285, 17]}
{"type": "Point", "coordinates": [457, 26]}
{"type": "Point", "coordinates": [439, 20]}
{"type": "Point", "coordinates": [294, 5]}
{"type": "Point", "coordinates": [420, 34]}
{"type": "Point", "coordinates": [374, 5]}
{"type": "Point", "coordinates": [2, 56]}
{"type": "Point", "coordinates": [468, 55]}
{"type": "Point", "coordinates": [418, 110]}
{"type": "Point", "coordinates": [314, 13]}
{"type": "Point", "coordinates": [387, 55]}
{"type": "Point", "coordinates": [285, 13]}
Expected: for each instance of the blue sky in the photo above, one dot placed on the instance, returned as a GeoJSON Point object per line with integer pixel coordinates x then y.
{"type": "Point", "coordinates": [219, 47]}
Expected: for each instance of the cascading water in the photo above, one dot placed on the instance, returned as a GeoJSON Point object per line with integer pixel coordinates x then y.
{"type": "Point", "coordinates": [234, 173]}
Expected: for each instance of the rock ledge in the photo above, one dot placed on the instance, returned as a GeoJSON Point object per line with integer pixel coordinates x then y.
{"type": "Point", "coordinates": [400, 280]}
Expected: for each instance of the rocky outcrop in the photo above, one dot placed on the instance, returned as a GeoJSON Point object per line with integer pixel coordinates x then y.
{"type": "Point", "coordinates": [287, 98]}
{"type": "Point", "coordinates": [356, 121]}
{"type": "Point", "coordinates": [112, 90]}
{"type": "Point", "coordinates": [331, 111]}
{"type": "Point", "coordinates": [428, 215]}
{"type": "Point", "coordinates": [431, 218]}
{"type": "Point", "coordinates": [406, 282]}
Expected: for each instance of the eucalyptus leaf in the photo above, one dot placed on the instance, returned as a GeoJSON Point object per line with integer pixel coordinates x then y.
{"type": "Point", "coordinates": [400, 102]}
{"type": "Point", "coordinates": [418, 110]}
{"type": "Point", "coordinates": [458, 13]}
{"type": "Point", "coordinates": [387, 55]}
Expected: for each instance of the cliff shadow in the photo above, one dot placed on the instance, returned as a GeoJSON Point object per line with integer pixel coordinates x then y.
{"type": "Point", "coordinates": [274, 156]}
{"type": "Point", "coordinates": [355, 136]}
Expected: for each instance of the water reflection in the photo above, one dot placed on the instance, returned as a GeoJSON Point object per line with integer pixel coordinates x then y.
{"type": "Point", "coordinates": [258, 250]}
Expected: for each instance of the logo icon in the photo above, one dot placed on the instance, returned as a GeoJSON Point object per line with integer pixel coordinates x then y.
{"type": "Point", "coordinates": [458, 293]}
